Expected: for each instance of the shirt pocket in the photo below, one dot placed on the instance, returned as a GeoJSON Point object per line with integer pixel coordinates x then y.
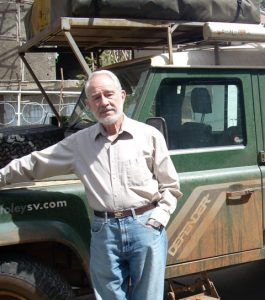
{"type": "Point", "coordinates": [137, 172]}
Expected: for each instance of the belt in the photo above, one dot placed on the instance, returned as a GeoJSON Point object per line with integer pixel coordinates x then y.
{"type": "Point", "coordinates": [125, 213]}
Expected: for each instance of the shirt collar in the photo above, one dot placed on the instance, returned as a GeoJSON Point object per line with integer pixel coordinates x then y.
{"type": "Point", "coordinates": [127, 126]}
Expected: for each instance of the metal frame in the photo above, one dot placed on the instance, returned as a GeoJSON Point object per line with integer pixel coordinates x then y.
{"type": "Point", "coordinates": [92, 34]}
{"type": "Point", "coordinates": [83, 35]}
{"type": "Point", "coordinates": [45, 95]}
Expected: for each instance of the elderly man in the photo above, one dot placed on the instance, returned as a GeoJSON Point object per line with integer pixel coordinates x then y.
{"type": "Point", "coordinates": [131, 185]}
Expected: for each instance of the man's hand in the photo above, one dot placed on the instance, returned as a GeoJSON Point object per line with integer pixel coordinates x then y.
{"type": "Point", "coordinates": [154, 223]}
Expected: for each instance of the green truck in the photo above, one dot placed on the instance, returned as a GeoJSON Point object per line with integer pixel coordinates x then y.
{"type": "Point", "coordinates": [205, 92]}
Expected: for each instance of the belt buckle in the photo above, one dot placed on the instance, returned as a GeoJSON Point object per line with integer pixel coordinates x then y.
{"type": "Point", "coordinates": [118, 214]}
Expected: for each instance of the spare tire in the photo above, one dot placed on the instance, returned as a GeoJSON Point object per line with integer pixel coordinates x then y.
{"type": "Point", "coordinates": [19, 141]}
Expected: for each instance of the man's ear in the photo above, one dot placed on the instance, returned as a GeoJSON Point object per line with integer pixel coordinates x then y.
{"type": "Point", "coordinates": [123, 94]}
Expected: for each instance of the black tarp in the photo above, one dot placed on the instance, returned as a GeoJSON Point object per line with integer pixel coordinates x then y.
{"type": "Point", "coordinates": [44, 12]}
{"type": "Point", "coordinates": [240, 11]}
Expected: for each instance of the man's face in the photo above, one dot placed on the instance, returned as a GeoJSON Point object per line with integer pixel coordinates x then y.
{"type": "Point", "coordinates": [105, 100]}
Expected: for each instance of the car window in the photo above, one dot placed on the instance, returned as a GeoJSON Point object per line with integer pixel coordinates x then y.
{"type": "Point", "coordinates": [201, 113]}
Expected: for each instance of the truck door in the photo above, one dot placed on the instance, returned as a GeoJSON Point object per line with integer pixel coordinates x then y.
{"type": "Point", "coordinates": [259, 97]}
{"type": "Point", "coordinates": [212, 141]}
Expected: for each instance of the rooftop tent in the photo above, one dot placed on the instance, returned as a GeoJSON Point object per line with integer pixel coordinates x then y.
{"type": "Point", "coordinates": [45, 12]}
{"type": "Point", "coordinates": [241, 11]}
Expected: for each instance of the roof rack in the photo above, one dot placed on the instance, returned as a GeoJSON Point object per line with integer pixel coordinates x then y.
{"type": "Point", "coordinates": [103, 33]}
{"type": "Point", "coordinates": [85, 35]}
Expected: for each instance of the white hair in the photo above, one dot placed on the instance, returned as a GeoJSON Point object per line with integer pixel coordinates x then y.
{"type": "Point", "coordinates": [102, 72]}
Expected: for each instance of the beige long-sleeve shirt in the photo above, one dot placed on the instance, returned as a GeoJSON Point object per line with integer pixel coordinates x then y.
{"type": "Point", "coordinates": [129, 172]}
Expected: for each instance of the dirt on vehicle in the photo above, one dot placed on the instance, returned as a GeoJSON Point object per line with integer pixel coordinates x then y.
{"type": "Point", "coordinates": [202, 87]}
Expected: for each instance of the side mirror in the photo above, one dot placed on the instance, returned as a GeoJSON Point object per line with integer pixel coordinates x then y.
{"type": "Point", "coordinates": [160, 124]}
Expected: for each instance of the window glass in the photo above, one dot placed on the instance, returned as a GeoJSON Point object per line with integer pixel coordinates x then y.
{"type": "Point", "coordinates": [201, 113]}
{"type": "Point", "coordinates": [132, 79]}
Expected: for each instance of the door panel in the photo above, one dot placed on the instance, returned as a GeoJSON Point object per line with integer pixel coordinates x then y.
{"type": "Point", "coordinates": [212, 142]}
{"type": "Point", "coordinates": [210, 224]}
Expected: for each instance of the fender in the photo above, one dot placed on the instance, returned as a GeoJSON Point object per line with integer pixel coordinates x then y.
{"type": "Point", "coordinates": [23, 232]}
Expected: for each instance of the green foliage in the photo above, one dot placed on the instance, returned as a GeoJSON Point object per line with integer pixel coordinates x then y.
{"type": "Point", "coordinates": [105, 58]}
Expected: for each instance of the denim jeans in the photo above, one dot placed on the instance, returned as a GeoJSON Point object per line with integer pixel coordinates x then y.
{"type": "Point", "coordinates": [127, 259]}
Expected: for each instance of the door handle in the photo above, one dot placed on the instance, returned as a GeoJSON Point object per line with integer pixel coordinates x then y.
{"type": "Point", "coordinates": [239, 193]}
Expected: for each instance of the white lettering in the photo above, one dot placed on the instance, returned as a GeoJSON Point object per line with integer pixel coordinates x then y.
{"type": "Point", "coordinates": [185, 232]}
{"type": "Point", "coordinates": [22, 209]}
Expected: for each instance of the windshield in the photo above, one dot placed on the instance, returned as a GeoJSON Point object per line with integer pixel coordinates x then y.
{"type": "Point", "coordinates": [132, 80]}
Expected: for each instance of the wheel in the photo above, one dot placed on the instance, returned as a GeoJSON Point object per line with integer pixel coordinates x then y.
{"type": "Point", "coordinates": [22, 278]}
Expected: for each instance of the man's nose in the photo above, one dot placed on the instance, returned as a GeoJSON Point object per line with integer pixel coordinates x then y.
{"type": "Point", "coordinates": [104, 100]}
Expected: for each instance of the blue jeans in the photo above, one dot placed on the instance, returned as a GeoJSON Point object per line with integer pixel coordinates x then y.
{"type": "Point", "coordinates": [127, 259]}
